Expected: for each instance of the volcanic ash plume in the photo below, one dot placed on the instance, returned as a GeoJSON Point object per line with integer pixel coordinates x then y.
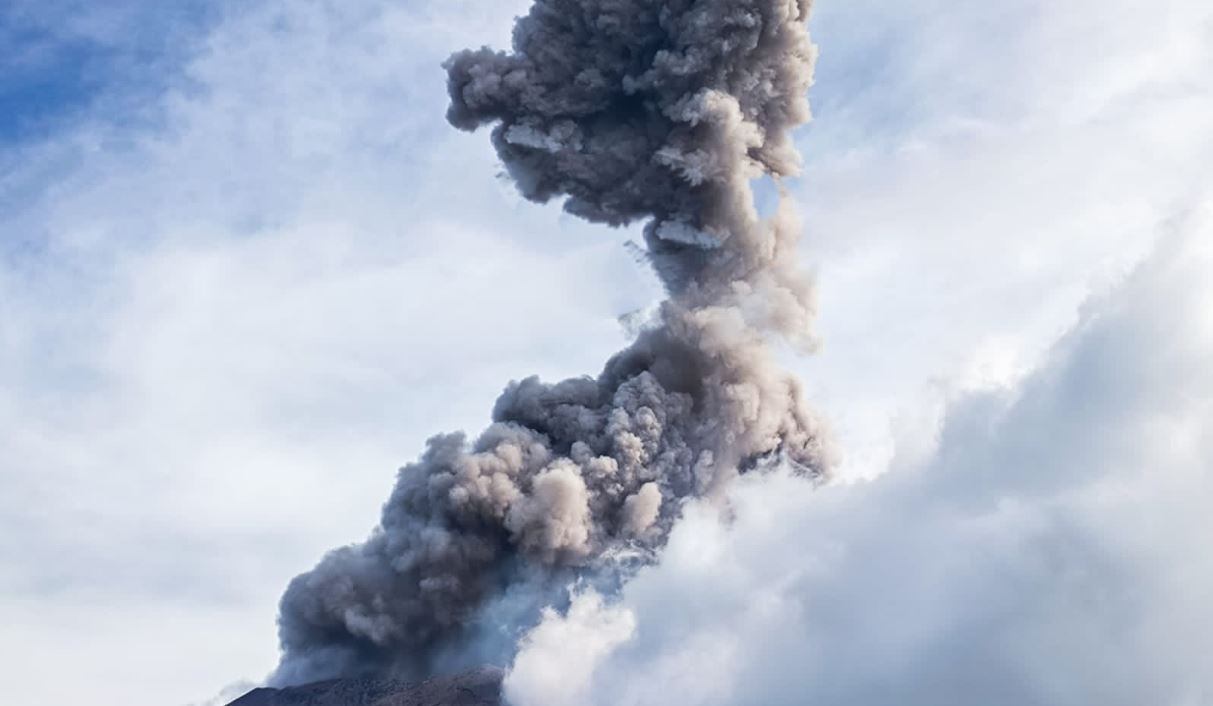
{"type": "Point", "coordinates": [655, 110]}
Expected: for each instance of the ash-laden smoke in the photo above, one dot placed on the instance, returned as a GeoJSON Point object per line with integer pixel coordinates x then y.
{"type": "Point", "coordinates": [661, 110]}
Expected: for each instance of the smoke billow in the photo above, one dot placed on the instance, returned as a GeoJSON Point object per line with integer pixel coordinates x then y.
{"type": "Point", "coordinates": [655, 110]}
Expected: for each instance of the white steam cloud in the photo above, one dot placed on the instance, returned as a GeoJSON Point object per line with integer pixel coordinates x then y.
{"type": "Point", "coordinates": [1054, 550]}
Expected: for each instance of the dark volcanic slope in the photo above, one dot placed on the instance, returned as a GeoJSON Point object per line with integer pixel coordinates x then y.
{"type": "Point", "coordinates": [479, 688]}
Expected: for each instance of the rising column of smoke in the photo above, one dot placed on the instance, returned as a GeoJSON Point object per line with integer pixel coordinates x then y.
{"type": "Point", "coordinates": [661, 110]}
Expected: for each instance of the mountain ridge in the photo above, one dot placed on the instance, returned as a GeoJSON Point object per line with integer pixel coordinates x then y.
{"type": "Point", "coordinates": [480, 687]}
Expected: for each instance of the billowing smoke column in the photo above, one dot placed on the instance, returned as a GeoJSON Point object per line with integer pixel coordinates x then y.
{"type": "Point", "coordinates": [661, 110]}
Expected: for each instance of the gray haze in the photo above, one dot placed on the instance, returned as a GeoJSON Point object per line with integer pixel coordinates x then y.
{"type": "Point", "coordinates": [662, 111]}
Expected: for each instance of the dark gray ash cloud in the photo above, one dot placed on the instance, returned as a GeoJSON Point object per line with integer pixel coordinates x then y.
{"type": "Point", "coordinates": [662, 111]}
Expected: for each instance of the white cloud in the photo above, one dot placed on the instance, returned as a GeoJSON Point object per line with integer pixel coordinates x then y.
{"type": "Point", "coordinates": [559, 656]}
{"type": "Point", "coordinates": [975, 173]}
{"type": "Point", "coordinates": [1053, 550]}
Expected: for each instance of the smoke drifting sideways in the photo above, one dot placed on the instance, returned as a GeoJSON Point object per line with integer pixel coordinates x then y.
{"type": "Point", "coordinates": [656, 110]}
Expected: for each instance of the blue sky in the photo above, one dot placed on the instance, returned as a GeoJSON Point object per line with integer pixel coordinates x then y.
{"type": "Point", "coordinates": [62, 58]}
{"type": "Point", "coordinates": [246, 269]}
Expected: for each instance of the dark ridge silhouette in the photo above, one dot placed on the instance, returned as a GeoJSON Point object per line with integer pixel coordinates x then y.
{"type": "Point", "coordinates": [481, 687]}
